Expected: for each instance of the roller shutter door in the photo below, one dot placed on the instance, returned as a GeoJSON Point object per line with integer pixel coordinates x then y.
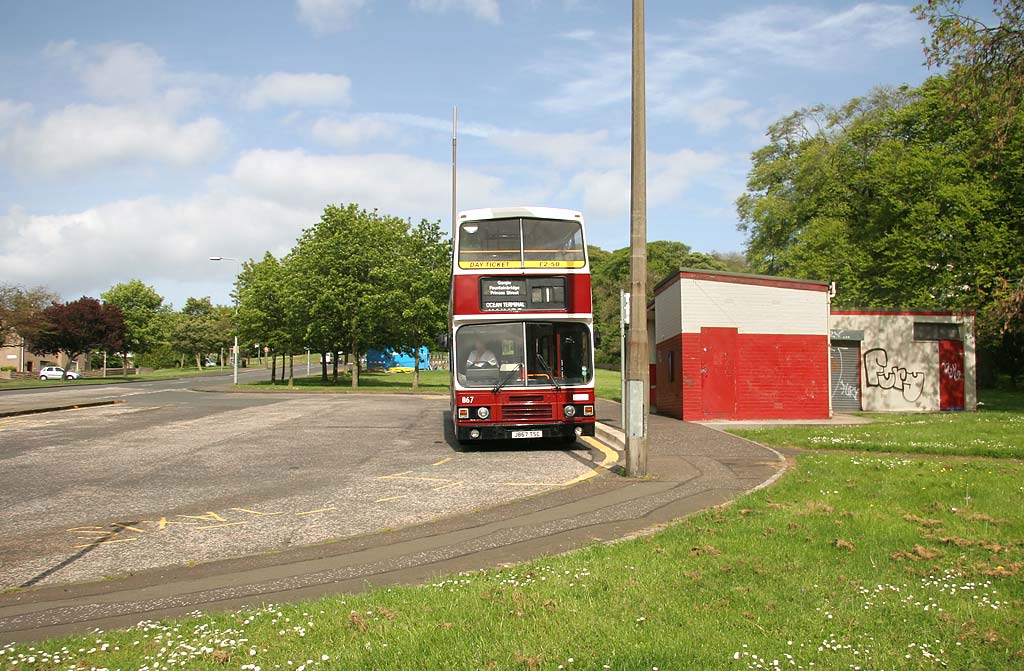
{"type": "Point", "coordinates": [845, 361]}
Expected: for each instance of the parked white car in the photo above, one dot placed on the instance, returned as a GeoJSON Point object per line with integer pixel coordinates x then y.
{"type": "Point", "coordinates": [56, 373]}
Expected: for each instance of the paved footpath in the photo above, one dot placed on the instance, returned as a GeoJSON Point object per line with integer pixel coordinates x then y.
{"type": "Point", "coordinates": [691, 467]}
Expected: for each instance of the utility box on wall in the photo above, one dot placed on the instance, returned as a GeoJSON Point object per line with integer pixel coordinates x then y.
{"type": "Point", "coordinates": [908, 360]}
{"type": "Point", "coordinates": [737, 346]}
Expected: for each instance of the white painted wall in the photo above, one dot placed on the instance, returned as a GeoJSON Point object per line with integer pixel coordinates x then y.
{"type": "Point", "coordinates": [668, 313]}
{"type": "Point", "coordinates": [751, 308]}
{"type": "Point", "coordinates": [902, 375]}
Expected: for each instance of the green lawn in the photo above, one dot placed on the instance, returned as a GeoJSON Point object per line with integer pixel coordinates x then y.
{"type": "Point", "coordinates": [873, 562]}
{"type": "Point", "coordinates": [431, 381]}
{"type": "Point", "coordinates": [160, 374]}
{"type": "Point", "coordinates": [608, 384]}
{"type": "Point", "coordinates": [996, 430]}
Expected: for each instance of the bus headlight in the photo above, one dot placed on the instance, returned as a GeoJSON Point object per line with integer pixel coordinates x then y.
{"type": "Point", "coordinates": [483, 413]}
{"type": "Point", "coordinates": [569, 410]}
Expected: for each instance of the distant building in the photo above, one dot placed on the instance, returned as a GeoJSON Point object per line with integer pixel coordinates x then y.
{"type": "Point", "coordinates": [14, 354]}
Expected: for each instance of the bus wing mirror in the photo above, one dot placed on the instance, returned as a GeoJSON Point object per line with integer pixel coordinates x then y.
{"type": "Point", "coordinates": [442, 340]}
{"type": "Point", "coordinates": [597, 337]}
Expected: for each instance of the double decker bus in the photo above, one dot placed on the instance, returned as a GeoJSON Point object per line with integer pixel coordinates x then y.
{"type": "Point", "coordinates": [522, 333]}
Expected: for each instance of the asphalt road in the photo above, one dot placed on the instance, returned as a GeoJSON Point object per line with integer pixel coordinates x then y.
{"type": "Point", "coordinates": [174, 476]}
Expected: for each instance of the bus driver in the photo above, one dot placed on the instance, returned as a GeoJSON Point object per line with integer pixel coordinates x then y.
{"type": "Point", "coordinates": [481, 356]}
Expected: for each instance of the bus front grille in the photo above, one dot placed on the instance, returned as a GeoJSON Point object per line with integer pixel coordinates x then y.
{"type": "Point", "coordinates": [526, 411]}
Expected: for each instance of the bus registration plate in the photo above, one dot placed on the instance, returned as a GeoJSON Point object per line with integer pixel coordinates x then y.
{"type": "Point", "coordinates": [527, 434]}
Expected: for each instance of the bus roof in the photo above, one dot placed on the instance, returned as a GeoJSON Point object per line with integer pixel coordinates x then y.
{"type": "Point", "coordinates": [521, 211]}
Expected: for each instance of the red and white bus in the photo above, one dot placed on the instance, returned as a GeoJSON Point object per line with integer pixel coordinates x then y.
{"type": "Point", "coordinates": [522, 327]}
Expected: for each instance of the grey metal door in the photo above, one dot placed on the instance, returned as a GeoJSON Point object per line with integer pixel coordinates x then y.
{"type": "Point", "coordinates": [845, 361]}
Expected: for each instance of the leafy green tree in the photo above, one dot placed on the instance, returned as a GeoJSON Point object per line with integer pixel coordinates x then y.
{"type": "Point", "coordinates": [891, 196]}
{"type": "Point", "coordinates": [337, 272]}
{"type": "Point", "coordinates": [416, 287]}
{"type": "Point", "coordinates": [985, 59]}
{"type": "Point", "coordinates": [143, 309]}
{"type": "Point", "coordinates": [198, 329]}
{"type": "Point", "coordinates": [262, 292]}
{"type": "Point", "coordinates": [78, 327]}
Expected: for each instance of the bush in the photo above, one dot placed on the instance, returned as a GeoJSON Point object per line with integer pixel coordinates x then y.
{"type": "Point", "coordinates": [11, 369]}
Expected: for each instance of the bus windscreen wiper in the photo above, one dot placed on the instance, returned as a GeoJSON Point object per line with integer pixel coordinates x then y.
{"type": "Point", "coordinates": [506, 378]}
{"type": "Point", "coordinates": [547, 371]}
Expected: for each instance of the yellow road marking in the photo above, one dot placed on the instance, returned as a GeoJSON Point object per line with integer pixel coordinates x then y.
{"type": "Point", "coordinates": [532, 484]}
{"type": "Point", "coordinates": [255, 512]}
{"type": "Point", "coordinates": [443, 461]}
{"type": "Point", "coordinates": [318, 510]}
{"type": "Point", "coordinates": [210, 516]}
{"type": "Point", "coordinates": [128, 527]}
{"type": "Point", "coordinates": [119, 540]}
{"type": "Point", "coordinates": [610, 457]}
{"type": "Point", "coordinates": [219, 526]}
{"type": "Point", "coordinates": [412, 477]}
{"type": "Point", "coordinates": [391, 498]}
{"type": "Point", "coordinates": [448, 486]}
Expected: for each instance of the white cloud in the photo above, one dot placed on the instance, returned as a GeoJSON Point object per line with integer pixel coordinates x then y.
{"type": "Point", "coordinates": [326, 16]}
{"type": "Point", "coordinates": [160, 241]}
{"type": "Point", "coordinates": [605, 193]}
{"type": "Point", "coordinates": [81, 136]}
{"type": "Point", "coordinates": [131, 73]}
{"type": "Point", "coordinates": [561, 150]}
{"type": "Point", "coordinates": [397, 183]}
{"type": "Point", "coordinates": [298, 89]}
{"type": "Point", "coordinates": [124, 72]}
{"type": "Point", "coordinates": [485, 10]}
{"type": "Point", "coordinates": [581, 35]}
{"type": "Point", "coordinates": [693, 71]}
{"type": "Point", "coordinates": [808, 37]}
{"type": "Point", "coordinates": [12, 112]}
{"type": "Point", "coordinates": [264, 203]}
{"type": "Point", "coordinates": [354, 131]}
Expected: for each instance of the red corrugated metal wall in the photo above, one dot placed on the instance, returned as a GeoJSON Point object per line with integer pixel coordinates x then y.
{"type": "Point", "coordinates": [776, 377]}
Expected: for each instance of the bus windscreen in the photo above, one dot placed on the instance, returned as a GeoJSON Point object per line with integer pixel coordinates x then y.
{"type": "Point", "coordinates": [521, 243]}
{"type": "Point", "coordinates": [523, 354]}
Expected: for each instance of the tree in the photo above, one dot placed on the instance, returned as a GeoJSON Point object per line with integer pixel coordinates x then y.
{"type": "Point", "coordinates": [142, 308]}
{"type": "Point", "coordinates": [199, 329]}
{"type": "Point", "coordinates": [78, 327]}
{"type": "Point", "coordinates": [337, 271]}
{"type": "Point", "coordinates": [20, 308]}
{"type": "Point", "coordinates": [890, 196]}
{"type": "Point", "coordinates": [416, 291]}
{"type": "Point", "coordinates": [985, 60]}
{"type": "Point", "coordinates": [262, 291]}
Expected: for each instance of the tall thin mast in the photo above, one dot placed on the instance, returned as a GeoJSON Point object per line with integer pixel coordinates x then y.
{"type": "Point", "coordinates": [455, 120]}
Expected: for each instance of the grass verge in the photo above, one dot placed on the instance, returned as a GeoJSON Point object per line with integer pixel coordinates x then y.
{"type": "Point", "coordinates": [431, 381]}
{"type": "Point", "coordinates": [996, 430]}
{"type": "Point", "coordinates": [848, 562]}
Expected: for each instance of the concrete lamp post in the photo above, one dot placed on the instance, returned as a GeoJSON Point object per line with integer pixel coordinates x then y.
{"type": "Point", "coordinates": [234, 353]}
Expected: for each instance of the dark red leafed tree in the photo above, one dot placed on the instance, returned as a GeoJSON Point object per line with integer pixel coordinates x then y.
{"type": "Point", "coordinates": [78, 327]}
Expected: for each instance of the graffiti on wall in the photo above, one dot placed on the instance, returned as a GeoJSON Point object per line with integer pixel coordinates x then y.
{"type": "Point", "coordinates": [952, 370]}
{"type": "Point", "coordinates": [878, 373]}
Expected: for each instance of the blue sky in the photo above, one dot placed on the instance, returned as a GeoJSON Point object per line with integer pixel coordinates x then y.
{"type": "Point", "coordinates": [137, 139]}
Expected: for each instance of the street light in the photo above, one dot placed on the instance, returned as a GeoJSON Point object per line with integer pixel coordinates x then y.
{"type": "Point", "coordinates": [234, 353]}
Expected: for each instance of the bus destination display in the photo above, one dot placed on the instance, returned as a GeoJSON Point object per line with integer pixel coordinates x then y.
{"type": "Point", "coordinates": [503, 294]}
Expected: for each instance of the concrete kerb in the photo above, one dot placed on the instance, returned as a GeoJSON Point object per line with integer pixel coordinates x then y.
{"type": "Point", "coordinates": [58, 408]}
